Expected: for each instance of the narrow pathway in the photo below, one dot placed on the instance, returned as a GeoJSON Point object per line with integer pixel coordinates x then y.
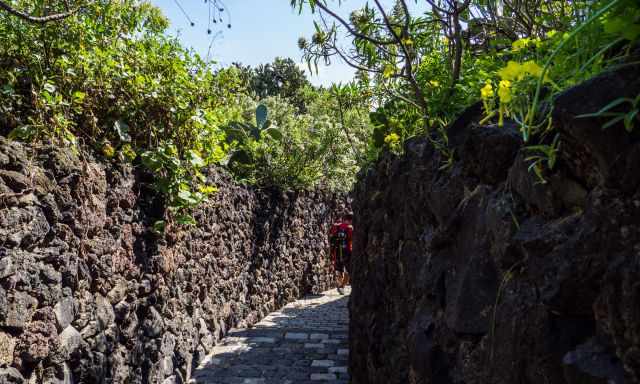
{"type": "Point", "coordinates": [304, 342]}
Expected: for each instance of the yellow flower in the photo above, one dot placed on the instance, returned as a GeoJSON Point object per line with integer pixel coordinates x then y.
{"type": "Point", "coordinates": [517, 71]}
{"type": "Point", "coordinates": [108, 150]}
{"type": "Point", "coordinates": [520, 44]}
{"type": "Point", "coordinates": [532, 68]}
{"type": "Point", "coordinates": [512, 71]}
{"type": "Point", "coordinates": [487, 91]}
{"type": "Point", "coordinates": [388, 71]}
{"type": "Point", "coordinates": [434, 83]}
{"type": "Point", "coordinates": [128, 152]}
{"type": "Point", "coordinates": [504, 91]}
{"type": "Point", "coordinates": [207, 189]}
{"type": "Point", "coordinates": [391, 139]}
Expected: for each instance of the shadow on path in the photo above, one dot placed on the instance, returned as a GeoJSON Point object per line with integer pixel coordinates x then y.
{"type": "Point", "coordinates": [304, 342]}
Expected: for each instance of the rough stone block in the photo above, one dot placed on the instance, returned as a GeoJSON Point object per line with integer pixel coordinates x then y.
{"type": "Point", "coordinates": [296, 336]}
{"type": "Point", "coordinates": [70, 339]}
{"type": "Point", "coordinates": [19, 310]}
{"type": "Point", "coordinates": [318, 336]}
{"type": "Point", "coordinates": [322, 363]}
{"type": "Point", "coordinates": [65, 312]}
{"type": "Point", "coordinates": [7, 346]}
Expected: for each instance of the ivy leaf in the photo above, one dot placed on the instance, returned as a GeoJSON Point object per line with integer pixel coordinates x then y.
{"type": "Point", "coordinates": [151, 161]}
{"type": "Point", "coordinates": [187, 197]}
{"type": "Point", "coordinates": [186, 220]}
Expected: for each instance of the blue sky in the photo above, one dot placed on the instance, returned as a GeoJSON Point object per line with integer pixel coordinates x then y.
{"type": "Point", "coordinates": [259, 33]}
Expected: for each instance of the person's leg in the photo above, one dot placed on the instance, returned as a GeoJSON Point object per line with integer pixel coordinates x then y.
{"type": "Point", "coordinates": [340, 268]}
{"type": "Point", "coordinates": [339, 275]}
{"type": "Point", "coordinates": [341, 280]}
{"type": "Point", "coordinates": [347, 269]}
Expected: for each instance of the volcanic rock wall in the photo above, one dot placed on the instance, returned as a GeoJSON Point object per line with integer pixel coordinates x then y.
{"type": "Point", "coordinates": [482, 274]}
{"type": "Point", "coordinates": [90, 294]}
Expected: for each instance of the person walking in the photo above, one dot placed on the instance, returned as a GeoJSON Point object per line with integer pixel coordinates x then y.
{"type": "Point", "coordinates": [340, 239]}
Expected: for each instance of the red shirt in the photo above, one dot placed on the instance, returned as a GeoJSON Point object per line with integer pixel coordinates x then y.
{"type": "Point", "coordinates": [348, 228]}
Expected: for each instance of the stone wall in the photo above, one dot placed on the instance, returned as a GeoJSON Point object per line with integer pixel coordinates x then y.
{"type": "Point", "coordinates": [90, 294]}
{"type": "Point", "coordinates": [482, 274]}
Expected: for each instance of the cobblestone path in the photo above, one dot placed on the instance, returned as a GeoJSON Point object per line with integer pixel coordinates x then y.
{"type": "Point", "coordinates": [305, 342]}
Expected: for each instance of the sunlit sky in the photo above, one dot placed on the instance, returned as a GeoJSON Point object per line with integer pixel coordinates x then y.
{"type": "Point", "coordinates": [261, 30]}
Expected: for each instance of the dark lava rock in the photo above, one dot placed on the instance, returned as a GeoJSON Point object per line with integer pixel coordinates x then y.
{"type": "Point", "coordinates": [595, 155]}
{"type": "Point", "coordinates": [488, 151]}
{"type": "Point", "coordinates": [18, 309]}
{"type": "Point", "coordinates": [11, 376]}
{"type": "Point", "coordinates": [39, 339]}
{"type": "Point", "coordinates": [485, 273]}
{"type": "Point", "coordinates": [90, 294]}
{"type": "Point", "coordinates": [70, 340]}
{"type": "Point", "coordinates": [591, 363]}
{"type": "Point", "coordinates": [65, 312]}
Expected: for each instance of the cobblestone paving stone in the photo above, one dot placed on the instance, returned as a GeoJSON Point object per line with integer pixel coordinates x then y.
{"type": "Point", "coordinates": [304, 342]}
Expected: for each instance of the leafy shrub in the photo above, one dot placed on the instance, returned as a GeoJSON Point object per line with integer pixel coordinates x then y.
{"type": "Point", "coordinates": [108, 77]}
{"type": "Point", "coordinates": [425, 67]}
{"type": "Point", "coordinates": [281, 78]}
{"type": "Point", "coordinates": [290, 149]}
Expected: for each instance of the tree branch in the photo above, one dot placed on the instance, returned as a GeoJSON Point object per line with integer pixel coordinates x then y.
{"type": "Point", "coordinates": [407, 22]}
{"type": "Point", "coordinates": [400, 96]}
{"type": "Point", "coordinates": [420, 98]}
{"type": "Point", "coordinates": [349, 28]}
{"type": "Point", "coordinates": [352, 64]}
{"type": "Point", "coordinates": [457, 36]}
{"type": "Point", "coordinates": [38, 19]}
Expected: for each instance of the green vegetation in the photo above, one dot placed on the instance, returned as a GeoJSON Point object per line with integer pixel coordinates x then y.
{"type": "Point", "coordinates": [425, 67]}
{"type": "Point", "coordinates": [629, 118]}
{"type": "Point", "coordinates": [105, 75]}
{"type": "Point", "coordinates": [108, 77]}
